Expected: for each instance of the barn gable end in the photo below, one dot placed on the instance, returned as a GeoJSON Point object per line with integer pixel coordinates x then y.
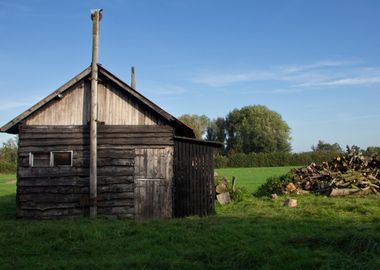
{"type": "Point", "coordinates": [116, 107]}
{"type": "Point", "coordinates": [119, 104]}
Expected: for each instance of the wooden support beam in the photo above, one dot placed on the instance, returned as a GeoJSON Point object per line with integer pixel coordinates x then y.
{"type": "Point", "coordinates": [95, 16]}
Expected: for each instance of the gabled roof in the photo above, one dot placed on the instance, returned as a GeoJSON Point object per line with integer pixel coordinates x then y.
{"type": "Point", "coordinates": [181, 128]}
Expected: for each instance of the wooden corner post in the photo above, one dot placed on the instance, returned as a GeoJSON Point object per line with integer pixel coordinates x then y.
{"type": "Point", "coordinates": [95, 17]}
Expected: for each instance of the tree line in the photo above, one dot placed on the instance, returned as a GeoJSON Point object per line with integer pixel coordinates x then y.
{"type": "Point", "coordinates": [255, 136]}
{"type": "Point", "coordinates": [249, 129]}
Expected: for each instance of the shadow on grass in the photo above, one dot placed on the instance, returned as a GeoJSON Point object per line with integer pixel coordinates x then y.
{"type": "Point", "coordinates": [8, 207]}
{"type": "Point", "coordinates": [224, 241]}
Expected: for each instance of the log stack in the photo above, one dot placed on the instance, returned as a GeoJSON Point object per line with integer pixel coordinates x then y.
{"type": "Point", "coordinates": [351, 173]}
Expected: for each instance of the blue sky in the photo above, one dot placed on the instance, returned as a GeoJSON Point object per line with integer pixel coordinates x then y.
{"type": "Point", "coordinates": [317, 63]}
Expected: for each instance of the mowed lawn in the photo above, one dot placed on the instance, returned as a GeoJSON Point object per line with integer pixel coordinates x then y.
{"type": "Point", "coordinates": [257, 233]}
{"type": "Point", "coordinates": [252, 178]}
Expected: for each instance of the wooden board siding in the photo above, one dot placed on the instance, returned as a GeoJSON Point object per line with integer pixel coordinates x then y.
{"type": "Point", "coordinates": [154, 182]}
{"type": "Point", "coordinates": [48, 192]}
{"type": "Point", "coordinates": [71, 109]}
{"type": "Point", "coordinates": [193, 179]}
{"type": "Point", "coordinates": [115, 108]}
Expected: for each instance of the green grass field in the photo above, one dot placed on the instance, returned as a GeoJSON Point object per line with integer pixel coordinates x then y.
{"type": "Point", "coordinates": [252, 178]}
{"type": "Point", "coordinates": [257, 233]}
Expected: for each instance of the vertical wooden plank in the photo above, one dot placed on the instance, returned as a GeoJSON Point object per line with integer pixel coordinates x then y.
{"type": "Point", "coordinates": [186, 182]}
{"type": "Point", "coordinates": [193, 177]}
{"type": "Point", "coordinates": [158, 203]}
{"type": "Point", "coordinates": [189, 175]}
{"type": "Point", "coordinates": [212, 202]}
{"type": "Point", "coordinates": [198, 182]}
{"type": "Point", "coordinates": [201, 180]}
{"type": "Point", "coordinates": [206, 175]}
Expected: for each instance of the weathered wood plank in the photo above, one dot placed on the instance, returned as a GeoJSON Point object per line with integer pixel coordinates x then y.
{"type": "Point", "coordinates": [64, 171]}
{"type": "Point", "coordinates": [107, 180]}
{"type": "Point", "coordinates": [52, 189]}
{"type": "Point", "coordinates": [115, 171]}
{"type": "Point", "coordinates": [128, 203]}
{"type": "Point", "coordinates": [30, 205]}
{"type": "Point", "coordinates": [75, 189]}
{"type": "Point", "coordinates": [72, 198]}
{"type": "Point", "coordinates": [115, 210]}
{"type": "Point", "coordinates": [136, 141]}
{"type": "Point", "coordinates": [52, 181]}
{"type": "Point", "coordinates": [50, 213]}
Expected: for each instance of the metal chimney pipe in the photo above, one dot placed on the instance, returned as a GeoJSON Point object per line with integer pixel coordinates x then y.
{"type": "Point", "coordinates": [133, 79]}
{"type": "Point", "coordinates": [95, 17]}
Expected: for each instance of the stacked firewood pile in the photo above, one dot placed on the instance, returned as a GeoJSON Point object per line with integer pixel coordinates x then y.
{"type": "Point", "coordinates": [351, 173]}
{"type": "Point", "coordinates": [224, 190]}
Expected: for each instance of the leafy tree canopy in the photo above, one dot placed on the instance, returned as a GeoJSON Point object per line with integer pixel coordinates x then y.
{"type": "Point", "coordinates": [216, 130]}
{"type": "Point", "coordinates": [8, 152]}
{"type": "Point", "coordinates": [198, 123]}
{"type": "Point", "coordinates": [326, 147]}
{"type": "Point", "coordinates": [371, 150]}
{"type": "Point", "coordinates": [256, 129]}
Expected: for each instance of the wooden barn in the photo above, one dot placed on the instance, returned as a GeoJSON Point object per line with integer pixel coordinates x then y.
{"type": "Point", "coordinates": [96, 146]}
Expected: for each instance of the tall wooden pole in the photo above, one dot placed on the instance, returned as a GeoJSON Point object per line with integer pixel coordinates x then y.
{"type": "Point", "coordinates": [95, 16]}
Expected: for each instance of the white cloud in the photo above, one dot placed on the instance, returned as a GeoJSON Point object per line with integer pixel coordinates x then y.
{"type": "Point", "coordinates": [316, 65]}
{"type": "Point", "coordinates": [344, 82]}
{"type": "Point", "coordinates": [320, 74]}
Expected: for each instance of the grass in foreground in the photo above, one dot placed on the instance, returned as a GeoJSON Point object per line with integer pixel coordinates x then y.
{"type": "Point", "coordinates": [322, 233]}
{"type": "Point", "coordinates": [252, 178]}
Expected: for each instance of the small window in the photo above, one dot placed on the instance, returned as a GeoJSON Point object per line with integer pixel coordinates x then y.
{"type": "Point", "coordinates": [39, 160]}
{"type": "Point", "coordinates": [62, 158]}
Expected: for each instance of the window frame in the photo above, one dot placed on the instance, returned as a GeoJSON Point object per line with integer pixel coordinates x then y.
{"type": "Point", "coordinates": [31, 159]}
{"type": "Point", "coordinates": [66, 151]}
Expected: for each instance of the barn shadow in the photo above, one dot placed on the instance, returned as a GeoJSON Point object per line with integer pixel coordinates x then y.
{"type": "Point", "coordinates": [8, 207]}
{"type": "Point", "coordinates": [230, 242]}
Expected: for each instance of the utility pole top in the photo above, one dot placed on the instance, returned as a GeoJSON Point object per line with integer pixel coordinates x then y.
{"type": "Point", "coordinates": [94, 12]}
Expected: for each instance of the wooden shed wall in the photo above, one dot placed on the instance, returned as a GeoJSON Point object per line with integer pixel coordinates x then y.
{"type": "Point", "coordinates": [71, 109]}
{"type": "Point", "coordinates": [115, 108]}
{"type": "Point", "coordinates": [193, 179]}
{"type": "Point", "coordinates": [46, 192]}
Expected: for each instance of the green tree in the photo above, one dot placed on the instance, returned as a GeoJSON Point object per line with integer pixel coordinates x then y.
{"type": "Point", "coordinates": [198, 123]}
{"type": "Point", "coordinates": [8, 156]}
{"type": "Point", "coordinates": [256, 129]}
{"type": "Point", "coordinates": [8, 152]}
{"type": "Point", "coordinates": [327, 147]}
{"type": "Point", "coordinates": [216, 130]}
{"type": "Point", "coordinates": [371, 150]}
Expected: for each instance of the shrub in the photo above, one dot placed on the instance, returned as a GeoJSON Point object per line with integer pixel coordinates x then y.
{"type": "Point", "coordinates": [220, 161]}
{"type": "Point", "coordinates": [236, 195]}
{"type": "Point", "coordinates": [7, 167]}
{"type": "Point", "coordinates": [273, 185]}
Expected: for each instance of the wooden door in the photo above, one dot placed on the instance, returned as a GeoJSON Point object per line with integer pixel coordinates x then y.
{"type": "Point", "coordinates": [153, 178]}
